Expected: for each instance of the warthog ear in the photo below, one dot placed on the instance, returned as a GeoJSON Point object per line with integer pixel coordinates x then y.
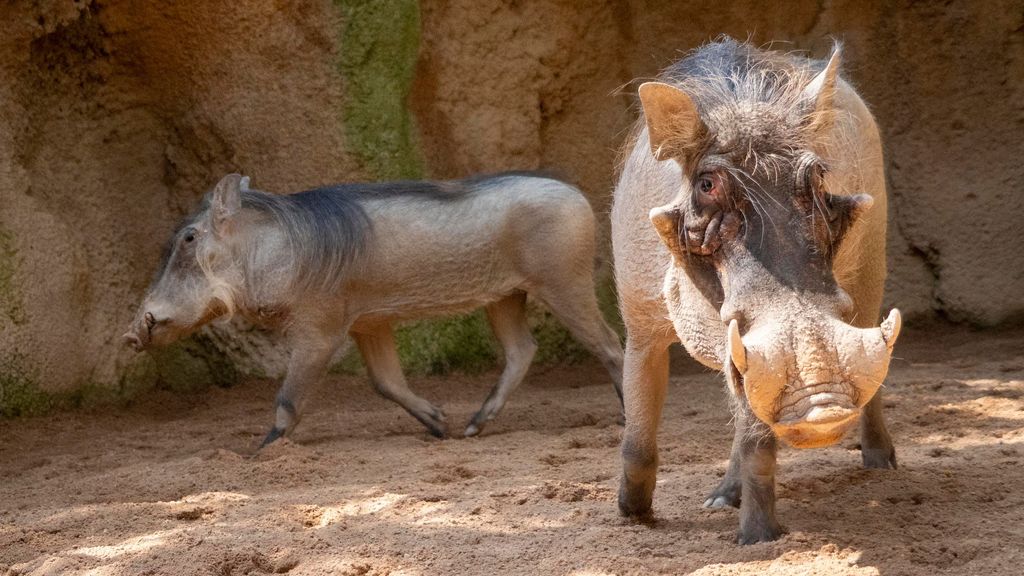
{"type": "Point", "coordinates": [819, 95]}
{"type": "Point", "coordinates": [673, 123]}
{"type": "Point", "coordinates": [227, 200]}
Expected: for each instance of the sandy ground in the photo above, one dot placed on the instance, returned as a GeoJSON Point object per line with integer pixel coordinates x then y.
{"type": "Point", "coordinates": [167, 486]}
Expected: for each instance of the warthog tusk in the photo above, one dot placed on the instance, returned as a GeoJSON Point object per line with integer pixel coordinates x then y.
{"type": "Point", "coordinates": [891, 327]}
{"type": "Point", "coordinates": [736, 350]}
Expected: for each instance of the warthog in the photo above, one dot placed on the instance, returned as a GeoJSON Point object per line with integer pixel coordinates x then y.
{"type": "Point", "coordinates": [355, 258]}
{"type": "Point", "coordinates": [762, 175]}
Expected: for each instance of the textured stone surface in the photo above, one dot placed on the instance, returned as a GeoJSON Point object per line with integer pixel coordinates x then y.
{"type": "Point", "coordinates": [118, 115]}
{"type": "Point", "coordinates": [535, 83]}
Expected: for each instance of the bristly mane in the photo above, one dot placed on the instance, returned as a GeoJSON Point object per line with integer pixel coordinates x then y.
{"type": "Point", "coordinates": [727, 75]}
{"type": "Point", "coordinates": [327, 230]}
{"type": "Point", "coordinates": [428, 189]}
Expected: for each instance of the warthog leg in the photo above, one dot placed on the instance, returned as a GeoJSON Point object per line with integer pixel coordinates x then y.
{"type": "Point", "coordinates": [645, 381]}
{"type": "Point", "coordinates": [381, 358]}
{"type": "Point", "coordinates": [729, 490]}
{"type": "Point", "coordinates": [508, 321]}
{"type": "Point", "coordinates": [876, 447]}
{"type": "Point", "coordinates": [757, 471]}
{"type": "Point", "coordinates": [306, 367]}
{"type": "Point", "coordinates": [575, 306]}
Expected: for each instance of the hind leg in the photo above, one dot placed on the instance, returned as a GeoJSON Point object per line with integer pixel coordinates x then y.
{"type": "Point", "coordinates": [377, 347]}
{"type": "Point", "coordinates": [576, 308]}
{"type": "Point", "coordinates": [508, 320]}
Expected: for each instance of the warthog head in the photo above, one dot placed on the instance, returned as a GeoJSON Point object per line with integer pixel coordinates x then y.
{"type": "Point", "coordinates": [199, 273]}
{"type": "Point", "coordinates": [758, 231]}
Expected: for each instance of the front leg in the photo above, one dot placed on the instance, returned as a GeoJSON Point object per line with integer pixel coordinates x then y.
{"type": "Point", "coordinates": [758, 522]}
{"type": "Point", "coordinates": [876, 448]}
{"type": "Point", "coordinates": [645, 380]}
{"type": "Point", "coordinates": [729, 490]}
{"type": "Point", "coordinates": [312, 351]}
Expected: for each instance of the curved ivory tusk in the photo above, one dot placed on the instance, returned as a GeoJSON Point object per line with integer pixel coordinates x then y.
{"type": "Point", "coordinates": [891, 327]}
{"type": "Point", "coordinates": [736, 350]}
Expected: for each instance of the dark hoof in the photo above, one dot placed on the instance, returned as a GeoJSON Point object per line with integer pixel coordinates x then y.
{"type": "Point", "coordinates": [436, 423]}
{"type": "Point", "coordinates": [273, 435]}
{"type": "Point", "coordinates": [759, 534]}
{"type": "Point", "coordinates": [879, 458]}
{"type": "Point", "coordinates": [726, 494]}
{"type": "Point", "coordinates": [634, 503]}
{"type": "Point", "coordinates": [621, 419]}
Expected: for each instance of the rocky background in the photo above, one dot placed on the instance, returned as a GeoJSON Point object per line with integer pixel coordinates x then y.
{"type": "Point", "coordinates": [117, 115]}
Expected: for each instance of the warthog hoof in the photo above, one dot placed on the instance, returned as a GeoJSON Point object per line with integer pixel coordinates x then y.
{"type": "Point", "coordinates": [435, 420]}
{"type": "Point", "coordinates": [634, 503]}
{"type": "Point", "coordinates": [273, 435]}
{"type": "Point", "coordinates": [881, 458]}
{"type": "Point", "coordinates": [473, 429]}
{"type": "Point", "coordinates": [756, 534]}
{"type": "Point", "coordinates": [476, 424]}
{"type": "Point", "coordinates": [726, 494]}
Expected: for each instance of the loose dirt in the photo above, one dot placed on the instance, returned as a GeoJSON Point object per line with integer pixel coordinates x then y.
{"type": "Point", "coordinates": [170, 485]}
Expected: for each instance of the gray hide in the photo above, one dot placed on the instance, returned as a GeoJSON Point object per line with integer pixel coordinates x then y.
{"type": "Point", "coordinates": [355, 259]}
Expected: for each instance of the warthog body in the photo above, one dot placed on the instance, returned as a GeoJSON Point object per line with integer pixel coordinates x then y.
{"type": "Point", "coordinates": [354, 259]}
{"type": "Point", "coordinates": [749, 223]}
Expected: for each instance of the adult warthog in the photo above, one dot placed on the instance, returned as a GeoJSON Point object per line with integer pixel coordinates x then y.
{"type": "Point", "coordinates": [762, 175]}
{"type": "Point", "coordinates": [355, 258]}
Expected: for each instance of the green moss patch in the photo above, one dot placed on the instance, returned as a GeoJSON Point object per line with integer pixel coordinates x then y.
{"type": "Point", "coordinates": [377, 58]}
{"type": "Point", "coordinates": [186, 366]}
{"type": "Point", "coordinates": [20, 395]}
{"type": "Point", "coordinates": [379, 47]}
{"type": "Point", "coordinates": [459, 343]}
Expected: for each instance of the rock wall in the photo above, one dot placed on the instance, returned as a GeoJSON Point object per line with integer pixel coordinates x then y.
{"type": "Point", "coordinates": [119, 114]}
{"type": "Point", "coordinates": [549, 83]}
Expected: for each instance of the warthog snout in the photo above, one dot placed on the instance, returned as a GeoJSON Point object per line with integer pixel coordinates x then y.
{"type": "Point", "coordinates": [150, 328]}
{"type": "Point", "coordinates": [808, 380]}
{"type": "Point", "coordinates": [140, 333]}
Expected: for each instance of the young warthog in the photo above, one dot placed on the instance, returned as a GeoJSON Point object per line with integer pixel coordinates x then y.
{"type": "Point", "coordinates": [354, 258]}
{"type": "Point", "coordinates": [762, 175]}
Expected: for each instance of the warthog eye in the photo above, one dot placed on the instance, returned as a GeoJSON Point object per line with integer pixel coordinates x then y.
{"type": "Point", "coordinates": [705, 184]}
{"type": "Point", "coordinates": [709, 186]}
{"type": "Point", "coordinates": [190, 236]}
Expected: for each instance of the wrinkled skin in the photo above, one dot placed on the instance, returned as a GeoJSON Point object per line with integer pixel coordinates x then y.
{"type": "Point", "coordinates": [769, 212]}
{"type": "Point", "coordinates": [351, 260]}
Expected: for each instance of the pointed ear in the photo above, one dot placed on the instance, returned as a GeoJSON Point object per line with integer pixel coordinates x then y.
{"type": "Point", "coordinates": [819, 95]}
{"type": "Point", "coordinates": [675, 128]}
{"type": "Point", "coordinates": [226, 201]}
